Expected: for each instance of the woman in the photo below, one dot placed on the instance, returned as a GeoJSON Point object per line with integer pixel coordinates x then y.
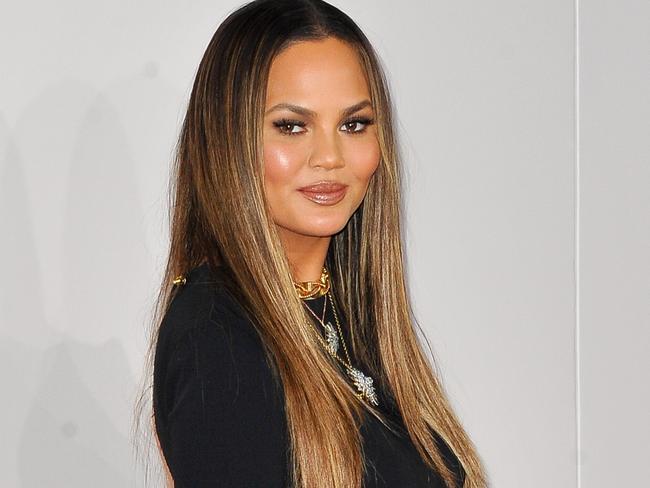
{"type": "Point", "coordinates": [285, 353]}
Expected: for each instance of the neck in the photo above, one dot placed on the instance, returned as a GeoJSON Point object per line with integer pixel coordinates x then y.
{"type": "Point", "coordinates": [306, 254]}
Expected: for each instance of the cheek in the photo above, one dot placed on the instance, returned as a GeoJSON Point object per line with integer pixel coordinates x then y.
{"type": "Point", "coordinates": [281, 164]}
{"type": "Point", "coordinates": [364, 161]}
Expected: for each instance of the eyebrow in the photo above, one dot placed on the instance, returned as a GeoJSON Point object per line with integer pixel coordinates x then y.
{"type": "Point", "coordinates": [310, 113]}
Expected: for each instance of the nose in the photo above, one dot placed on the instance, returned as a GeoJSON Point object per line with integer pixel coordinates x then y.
{"type": "Point", "coordinates": [326, 151]}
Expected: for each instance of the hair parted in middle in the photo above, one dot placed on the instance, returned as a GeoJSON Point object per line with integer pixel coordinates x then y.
{"type": "Point", "coordinates": [219, 214]}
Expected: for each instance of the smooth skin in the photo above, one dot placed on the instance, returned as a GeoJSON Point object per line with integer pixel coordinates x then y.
{"type": "Point", "coordinates": [316, 140]}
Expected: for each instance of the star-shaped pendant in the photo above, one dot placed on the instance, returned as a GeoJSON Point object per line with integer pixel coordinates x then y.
{"type": "Point", "coordinates": [363, 383]}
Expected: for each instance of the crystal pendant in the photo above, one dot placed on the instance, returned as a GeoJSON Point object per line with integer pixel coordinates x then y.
{"type": "Point", "coordinates": [332, 338]}
{"type": "Point", "coordinates": [364, 385]}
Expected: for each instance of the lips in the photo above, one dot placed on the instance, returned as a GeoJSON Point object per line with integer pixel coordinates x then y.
{"type": "Point", "coordinates": [325, 192]}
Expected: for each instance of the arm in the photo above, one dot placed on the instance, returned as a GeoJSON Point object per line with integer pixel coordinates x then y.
{"type": "Point", "coordinates": [225, 422]}
{"type": "Point", "coordinates": [169, 481]}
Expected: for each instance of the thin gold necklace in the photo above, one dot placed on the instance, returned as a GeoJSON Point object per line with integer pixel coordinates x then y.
{"type": "Point", "coordinates": [363, 383]}
{"type": "Point", "coordinates": [330, 332]}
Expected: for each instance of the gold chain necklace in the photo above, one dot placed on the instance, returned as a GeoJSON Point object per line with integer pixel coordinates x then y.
{"type": "Point", "coordinates": [363, 383]}
{"type": "Point", "coordinates": [313, 289]}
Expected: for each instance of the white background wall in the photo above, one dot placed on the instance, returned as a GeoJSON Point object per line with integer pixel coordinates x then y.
{"type": "Point", "coordinates": [525, 133]}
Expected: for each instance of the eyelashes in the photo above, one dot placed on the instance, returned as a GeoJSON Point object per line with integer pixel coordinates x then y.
{"type": "Point", "coordinates": [284, 123]}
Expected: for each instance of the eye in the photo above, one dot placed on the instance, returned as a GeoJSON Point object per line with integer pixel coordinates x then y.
{"type": "Point", "coordinates": [352, 125]}
{"type": "Point", "coordinates": [286, 126]}
{"type": "Point", "coordinates": [356, 125]}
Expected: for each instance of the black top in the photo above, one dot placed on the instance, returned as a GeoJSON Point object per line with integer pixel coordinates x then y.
{"type": "Point", "coordinates": [220, 415]}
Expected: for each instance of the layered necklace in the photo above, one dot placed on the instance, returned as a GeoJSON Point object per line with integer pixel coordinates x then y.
{"type": "Point", "coordinates": [309, 290]}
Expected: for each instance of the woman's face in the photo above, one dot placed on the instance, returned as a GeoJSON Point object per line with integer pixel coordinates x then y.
{"type": "Point", "coordinates": [318, 128]}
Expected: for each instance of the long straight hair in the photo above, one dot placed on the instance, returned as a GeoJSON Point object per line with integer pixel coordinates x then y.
{"type": "Point", "coordinates": [219, 215]}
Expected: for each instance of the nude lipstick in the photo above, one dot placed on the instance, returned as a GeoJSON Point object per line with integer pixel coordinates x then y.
{"type": "Point", "coordinates": [325, 192]}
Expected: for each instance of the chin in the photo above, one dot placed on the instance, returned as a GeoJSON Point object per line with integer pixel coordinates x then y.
{"type": "Point", "coordinates": [321, 229]}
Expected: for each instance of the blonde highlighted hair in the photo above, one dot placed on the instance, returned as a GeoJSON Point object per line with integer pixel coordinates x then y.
{"type": "Point", "coordinates": [219, 214]}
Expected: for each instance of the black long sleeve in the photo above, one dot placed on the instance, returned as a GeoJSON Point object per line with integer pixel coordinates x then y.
{"type": "Point", "coordinates": [223, 422]}
{"type": "Point", "coordinates": [219, 417]}
{"type": "Point", "coordinates": [220, 414]}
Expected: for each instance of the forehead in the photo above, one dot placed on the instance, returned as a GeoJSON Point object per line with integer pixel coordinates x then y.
{"type": "Point", "coordinates": [310, 72]}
